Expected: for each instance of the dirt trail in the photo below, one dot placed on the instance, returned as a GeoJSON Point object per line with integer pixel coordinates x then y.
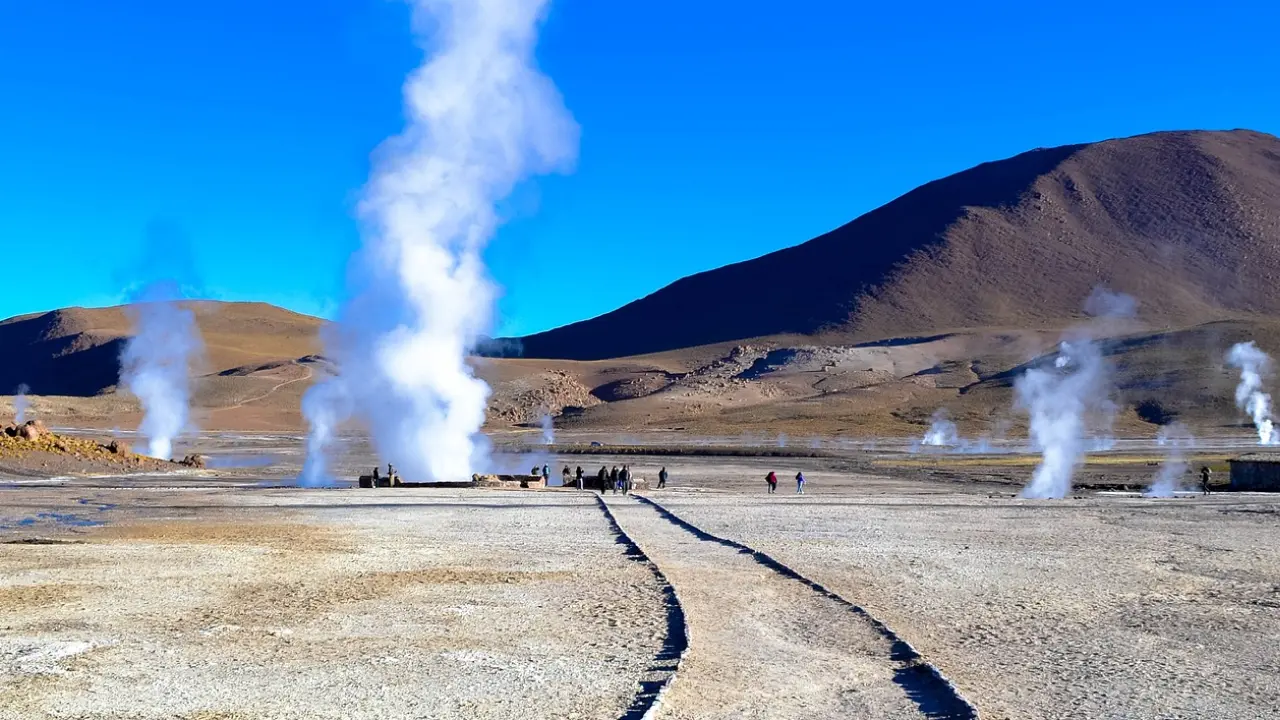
{"type": "Point", "coordinates": [307, 376]}
{"type": "Point", "coordinates": [764, 645]}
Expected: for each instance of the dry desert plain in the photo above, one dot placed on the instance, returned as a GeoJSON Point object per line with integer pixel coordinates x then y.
{"type": "Point", "coordinates": [896, 587]}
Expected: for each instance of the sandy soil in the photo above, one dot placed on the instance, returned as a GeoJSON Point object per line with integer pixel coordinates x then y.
{"type": "Point", "coordinates": [210, 595]}
{"type": "Point", "coordinates": [1109, 607]}
{"type": "Point", "coordinates": [216, 603]}
{"type": "Point", "coordinates": [762, 646]}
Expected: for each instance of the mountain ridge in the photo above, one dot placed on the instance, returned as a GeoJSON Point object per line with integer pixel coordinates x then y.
{"type": "Point", "coordinates": [1139, 214]}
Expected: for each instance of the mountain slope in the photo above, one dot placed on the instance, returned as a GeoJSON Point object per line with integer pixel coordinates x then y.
{"type": "Point", "coordinates": [76, 351]}
{"type": "Point", "coordinates": [1184, 221]}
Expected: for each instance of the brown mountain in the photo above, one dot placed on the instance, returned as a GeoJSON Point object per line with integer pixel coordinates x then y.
{"type": "Point", "coordinates": [1186, 222]}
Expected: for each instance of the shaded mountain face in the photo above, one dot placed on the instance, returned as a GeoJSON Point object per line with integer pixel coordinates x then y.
{"type": "Point", "coordinates": [1186, 222]}
{"type": "Point", "coordinates": [76, 351]}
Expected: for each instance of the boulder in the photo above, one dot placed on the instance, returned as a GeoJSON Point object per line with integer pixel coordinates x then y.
{"type": "Point", "coordinates": [32, 430]}
{"type": "Point", "coordinates": [194, 461]}
{"type": "Point", "coordinates": [115, 447]}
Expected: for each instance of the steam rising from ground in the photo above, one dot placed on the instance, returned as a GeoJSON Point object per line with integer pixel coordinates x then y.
{"type": "Point", "coordinates": [1058, 398]}
{"type": "Point", "coordinates": [1176, 439]}
{"type": "Point", "coordinates": [325, 406]}
{"type": "Point", "coordinates": [481, 118]}
{"type": "Point", "coordinates": [942, 432]}
{"type": "Point", "coordinates": [548, 429]}
{"type": "Point", "coordinates": [20, 404]}
{"type": "Point", "coordinates": [1062, 398]}
{"type": "Point", "coordinates": [156, 366]}
{"type": "Point", "coordinates": [1252, 363]}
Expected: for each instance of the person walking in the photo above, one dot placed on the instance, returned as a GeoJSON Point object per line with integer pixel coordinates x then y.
{"type": "Point", "coordinates": [578, 477]}
{"type": "Point", "coordinates": [799, 483]}
{"type": "Point", "coordinates": [546, 474]}
{"type": "Point", "coordinates": [1205, 475]}
{"type": "Point", "coordinates": [602, 479]}
{"type": "Point", "coordinates": [564, 477]}
{"type": "Point", "coordinates": [662, 478]}
{"type": "Point", "coordinates": [772, 479]}
{"type": "Point", "coordinates": [613, 479]}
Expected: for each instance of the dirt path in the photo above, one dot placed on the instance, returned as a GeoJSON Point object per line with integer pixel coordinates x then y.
{"type": "Point", "coordinates": [309, 374]}
{"type": "Point", "coordinates": [765, 645]}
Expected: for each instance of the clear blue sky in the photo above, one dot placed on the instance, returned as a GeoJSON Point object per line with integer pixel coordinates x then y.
{"type": "Point", "coordinates": [712, 130]}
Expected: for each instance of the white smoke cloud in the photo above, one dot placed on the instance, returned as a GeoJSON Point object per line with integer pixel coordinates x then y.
{"type": "Point", "coordinates": [1252, 363]}
{"type": "Point", "coordinates": [480, 119]}
{"type": "Point", "coordinates": [942, 431]}
{"type": "Point", "coordinates": [548, 429]}
{"type": "Point", "coordinates": [21, 404]}
{"type": "Point", "coordinates": [1062, 399]}
{"type": "Point", "coordinates": [1059, 400]}
{"type": "Point", "coordinates": [156, 365]}
{"type": "Point", "coordinates": [325, 406]}
{"type": "Point", "coordinates": [1176, 440]}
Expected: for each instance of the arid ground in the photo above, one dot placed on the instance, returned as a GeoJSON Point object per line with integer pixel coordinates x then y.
{"type": "Point", "coordinates": [897, 586]}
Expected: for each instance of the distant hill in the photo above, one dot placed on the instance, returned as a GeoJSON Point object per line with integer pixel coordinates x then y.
{"type": "Point", "coordinates": [1186, 222]}
{"type": "Point", "coordinates": [76, 351]}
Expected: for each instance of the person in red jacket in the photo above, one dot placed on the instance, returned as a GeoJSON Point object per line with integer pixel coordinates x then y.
{"type": "Point", "coordinates": [772, 479]}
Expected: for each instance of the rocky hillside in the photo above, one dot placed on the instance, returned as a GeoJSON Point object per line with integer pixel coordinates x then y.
{"type": "Point", "coordinates": [1186, 222]}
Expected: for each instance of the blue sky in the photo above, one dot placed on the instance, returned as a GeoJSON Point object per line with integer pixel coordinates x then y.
{"type": "Point", "coordinates": [238, 133]}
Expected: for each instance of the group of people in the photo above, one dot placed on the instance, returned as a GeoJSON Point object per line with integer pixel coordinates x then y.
{"type": "Point", "coordinates": [615, 479]}
{"type": "Point", "coordinates": [772, 480]}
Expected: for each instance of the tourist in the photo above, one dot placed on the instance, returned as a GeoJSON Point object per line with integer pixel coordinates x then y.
{"type": "Point", "coordinates": [546, 474]}
{"type": "Point", "coordinates": [578, 477]}
{"type": "Point", "coordinates": [602, 479]}
{"type": "Point", "coordinates": [799, 483]}
{"type": "Point", "coordinates": [772, 479]}
{"type": "Point", "coordinates": [564, 477]}
{"type": "Point", "coordinates": [662, 478]}
{"type": "Point", "coordinates": [1205, 474]}
{"type": "Point", "coordinates": [613, 479]}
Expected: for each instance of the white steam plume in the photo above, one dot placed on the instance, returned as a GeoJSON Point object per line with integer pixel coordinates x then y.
{"type": "Point", "coordinates": [20, 404]}
{"type": "Point", "coordinates": [1059, 400]}
{"type": "Point", "coordinates": [156, 366]}
{"type": "Point", "coordinates": [325, 406]}
{"type": "Point", "coordinates": [1252, 363]}
{"type": "Point", "coordinates": [1176, 441]}
{"type": "Point", "coordinates": [942, 432]}
{"type": "Point", "coordinates": [548, 429]}
{"type": "Point", "coordinates": [480, 119]}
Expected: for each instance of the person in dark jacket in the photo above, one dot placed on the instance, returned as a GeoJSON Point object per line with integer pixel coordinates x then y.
{"type": "Point", "coordinates": [613, 479]}
{"type": "Point", "coordinates": [772, 479]}
{"type": "Point", "coordinates": [662, 478]}
{"type": "Point", "coordinates": [578, 477]}
{"type": "Point", "coordinates": [1205, 474]}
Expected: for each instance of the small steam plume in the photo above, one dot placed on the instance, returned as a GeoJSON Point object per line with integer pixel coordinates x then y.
{"type": "Point", "coordinates": [1252, 363]}
{"type": "Point", "coordinates": [156, 365]}
{"type": "Point", "coordinates": [21, 404]}
{"type": "Point", "coordinates": [782, 440]}
{"type": "Point", "coordinates": [548, 428]}
{"type": "Point", "coordinates": [1176, 440]}
{"type": "Point", "coordinates": [942, 432]}
{"type": "Point", "coordinates": [325, 406]}
{"type": "Point", "coordinates": [1060, 400]}
{"type": "Point", "coordinates": [481, 118]}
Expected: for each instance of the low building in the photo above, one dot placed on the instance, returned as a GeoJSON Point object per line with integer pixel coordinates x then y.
{"type": "Point", "coordinates": [1257, 472]}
